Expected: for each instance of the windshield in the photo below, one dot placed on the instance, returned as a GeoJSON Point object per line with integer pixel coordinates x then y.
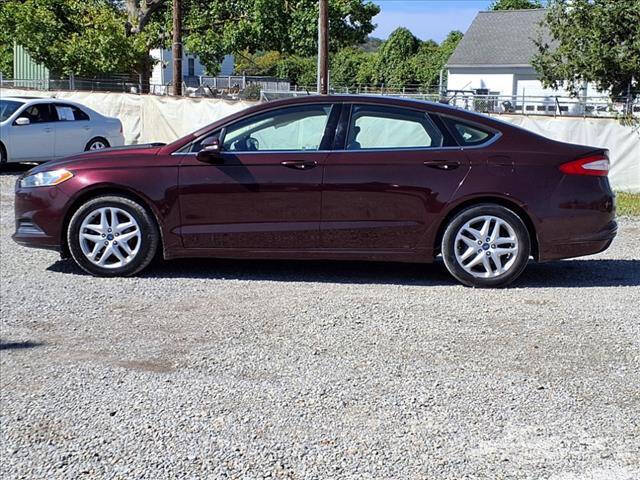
{"type": "Point", "coordinates": [8, 108]}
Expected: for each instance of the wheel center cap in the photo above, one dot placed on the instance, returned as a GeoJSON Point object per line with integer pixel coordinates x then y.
{"type": "Point", "coordinates": [110, 237]}
{"type": "Point", "coordinates": [485, 246]}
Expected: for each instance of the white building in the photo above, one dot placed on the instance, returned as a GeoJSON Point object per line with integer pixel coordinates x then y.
{"type": "Point", "coordinates": [191, 67]}
{"type": "Point", "coordinates": [494, 57]}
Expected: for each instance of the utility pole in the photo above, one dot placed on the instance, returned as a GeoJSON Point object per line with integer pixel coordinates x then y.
{"type": "Point", "coordinates": [323, 47]}
{"type": "Point", "coordinates": [177, 48]}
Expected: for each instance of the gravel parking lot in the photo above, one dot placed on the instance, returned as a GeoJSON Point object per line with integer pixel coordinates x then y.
{"type": "Point", "coordinates": [219, 369]}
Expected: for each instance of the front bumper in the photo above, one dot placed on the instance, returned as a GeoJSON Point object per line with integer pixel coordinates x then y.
{"type": "Point", "coordinates": [39, 217]}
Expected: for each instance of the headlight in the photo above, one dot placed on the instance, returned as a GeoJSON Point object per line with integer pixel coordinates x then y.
{"type": "Point", "coordinates": [46, 179]}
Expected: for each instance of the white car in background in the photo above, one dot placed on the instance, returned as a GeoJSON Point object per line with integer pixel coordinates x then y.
{"type": "Point", "coordinates": [43, 129]}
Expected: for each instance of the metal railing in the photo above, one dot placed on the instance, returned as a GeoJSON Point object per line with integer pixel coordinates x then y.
{"type": "Point", "coordinates": [592, 106]}
{"type": "Point", "coordinates": [231, 87]}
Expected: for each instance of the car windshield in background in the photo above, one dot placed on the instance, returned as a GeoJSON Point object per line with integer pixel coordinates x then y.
{"type": "Point", "coordinates": [8, 108]}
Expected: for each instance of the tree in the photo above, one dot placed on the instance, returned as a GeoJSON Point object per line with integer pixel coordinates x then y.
{"type": "Point", "coordinates": [91, 37]}
{"type": "Point", "coordinates": [214, 28]}
{"type": "Point", "coordinates": [594, 41]}
{"type": "Point", "coordinates": [299, 70]}
{"type": "Point", "coordinates": [260, 63]}
{"type": "Point", "coordinates": [81, 37]}
{"type": "Point", "coordinates": [371, 44]}
{"type": "Point", "coordinates": [6, 47]}
{"type": "Point", "coordinates": [393, 66]}
{"type": "Point", "coordinates": [515, 4]}
{"type": "Point", "coordinates": [346, 66]}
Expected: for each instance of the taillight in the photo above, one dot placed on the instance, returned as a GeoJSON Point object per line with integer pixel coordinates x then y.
{"type": "Point", "coordinates": [596, 165]}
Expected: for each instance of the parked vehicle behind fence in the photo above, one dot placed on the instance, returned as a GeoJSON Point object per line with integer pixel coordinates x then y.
{"type": "Point", "coordinates": [43, 129]}
{"type": "Point", "coordinates": [328, 177]}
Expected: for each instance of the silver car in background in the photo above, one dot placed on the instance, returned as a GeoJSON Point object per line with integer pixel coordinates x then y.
{"type": "Point", "coordinates": [43, 129]}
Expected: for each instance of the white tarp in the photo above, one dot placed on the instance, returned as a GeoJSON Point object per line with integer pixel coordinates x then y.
{"type": "Point", "coordinates": [149, 118]}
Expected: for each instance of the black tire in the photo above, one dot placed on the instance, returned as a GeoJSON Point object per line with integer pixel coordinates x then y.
{"type": "Point", "coordinates": [96, 140]}
{"type": "Point", "coordinates": [3, 155]}
{"type": "Point", "coordinates": [516, 262]}
{"type": "Point", "coordinates": [149, 236]}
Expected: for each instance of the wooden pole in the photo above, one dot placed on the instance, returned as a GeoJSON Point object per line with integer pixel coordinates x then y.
{"type": "Point", "coordinates": [323, 47]}
{"type": "Point", "coordinates": [177, 47]}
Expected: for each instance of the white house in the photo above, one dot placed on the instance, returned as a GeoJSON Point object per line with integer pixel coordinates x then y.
{"type": "Point", "coordinates": [191, 67]}
{"type": "Point", "coordinates": [494, 56]}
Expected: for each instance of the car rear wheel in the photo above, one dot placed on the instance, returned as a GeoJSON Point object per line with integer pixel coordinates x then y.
{"type": "Point", "coordinates": [3, 154]}
{"type": "Point", "coordinates": [112, 236]}
{"type": "Point", "coordinates": [97, 143]}
{"type": "Point", "coordinates": [486, 246]}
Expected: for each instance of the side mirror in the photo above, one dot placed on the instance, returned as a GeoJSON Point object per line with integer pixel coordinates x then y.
{"type": "Point", "coordinates": [23, 121]}
{"type": "Point", "coordinates": [211, 151]}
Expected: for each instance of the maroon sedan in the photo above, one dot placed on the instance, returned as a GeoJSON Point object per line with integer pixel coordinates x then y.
{"type": "Point", "coordinates": [328, 177]}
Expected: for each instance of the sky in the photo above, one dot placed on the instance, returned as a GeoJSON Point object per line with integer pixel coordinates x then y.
{"type": "Point", "coordinates": [427, 19]}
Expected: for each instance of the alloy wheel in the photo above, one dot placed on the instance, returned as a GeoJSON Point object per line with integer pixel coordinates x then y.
{"type": "Point", "coordinates": [97, 145]}
{"type": "Point", "coordinates": [110, 237]}
{"type": "Point", "coordinates": [486, 246]}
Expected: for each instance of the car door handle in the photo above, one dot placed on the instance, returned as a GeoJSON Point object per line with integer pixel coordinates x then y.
{"type": "Point", "coordinates": [442, 164]}
{"type": "Point", "coordinates": [299, 164]}
{"type": "Point", "coordinates": [48, 129]}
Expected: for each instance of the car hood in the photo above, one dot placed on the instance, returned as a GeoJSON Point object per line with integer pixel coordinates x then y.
{"type": "Point", "coordinates": [107, 155]}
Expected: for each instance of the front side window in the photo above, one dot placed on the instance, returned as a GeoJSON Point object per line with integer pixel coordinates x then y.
{"type": "Point", "coordinates": [299, 128]}
{"type": "Point", "coordinates": [39, 113]}
{"type": "Point", "coordinates": [376, 127]}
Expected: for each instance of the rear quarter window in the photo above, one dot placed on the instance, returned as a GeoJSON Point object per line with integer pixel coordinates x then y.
{"type": "Point", "coordinates": [468, 135]}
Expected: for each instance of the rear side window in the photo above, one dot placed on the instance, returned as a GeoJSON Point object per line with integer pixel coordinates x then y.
{"type": "Point", "coordinates": [69, 113]}
{"type": "Point", "coordinates": [379, 127]}
{"type": "Point", "coordinates": [468, 135]}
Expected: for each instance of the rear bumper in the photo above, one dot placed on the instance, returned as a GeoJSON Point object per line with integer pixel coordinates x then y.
{"type": "Point", "coordinates": [579, 219]}
{"type": "Point", "coordinates": [590, 245]}
{"type": "Point", "coordinates": [116, 140]}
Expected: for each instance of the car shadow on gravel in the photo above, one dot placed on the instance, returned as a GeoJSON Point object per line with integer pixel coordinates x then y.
{"type": "Point", "coordinates": [4, 345]}
{"type": "Point", "coordinates": [566, 274]}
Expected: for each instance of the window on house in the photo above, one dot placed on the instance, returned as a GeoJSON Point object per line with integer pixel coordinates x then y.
{"type": "Point", "coordinates": [192, 67]}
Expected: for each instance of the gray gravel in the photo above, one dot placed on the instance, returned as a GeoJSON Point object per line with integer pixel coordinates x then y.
{"type": "Point", "coordinates": [212, 369]}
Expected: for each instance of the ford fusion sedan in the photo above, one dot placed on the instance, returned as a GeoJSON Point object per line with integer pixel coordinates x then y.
{"type": "Point", "coordinates": [328, 177]}
{"type": "Point", "coordinates": [42, 129]}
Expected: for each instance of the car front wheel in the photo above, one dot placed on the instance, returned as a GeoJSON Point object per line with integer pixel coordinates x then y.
{"type": "Point", "coordinates": [486, 246]}
{"type": "Point", "coordinates": [112, 236]}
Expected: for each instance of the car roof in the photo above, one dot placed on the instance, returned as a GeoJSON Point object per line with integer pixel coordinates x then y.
{"type": "Point", "coordinates": [31, 100]}
{"type": "Point", "coordinates": [364, 98]}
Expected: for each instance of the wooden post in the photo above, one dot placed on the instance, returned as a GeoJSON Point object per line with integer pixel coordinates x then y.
{"type": "Point", "coordinates": [177, 47]}
{"type": "Point", "coordinates": [323, 47]}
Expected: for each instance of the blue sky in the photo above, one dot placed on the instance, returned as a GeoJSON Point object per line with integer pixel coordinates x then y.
{"type": "Point", "coordinates": [427, 19]}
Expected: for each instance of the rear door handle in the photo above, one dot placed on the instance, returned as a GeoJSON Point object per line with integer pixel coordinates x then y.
{"type": "Point", "coordinates": [299, 164]}
{"type": "Point", "coordinates": [48, 129]}
{"type": "Point", "coordinates": [442, 164]}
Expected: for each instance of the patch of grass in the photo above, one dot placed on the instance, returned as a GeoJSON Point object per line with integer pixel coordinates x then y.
{"type": "Point", "coordinates": [628, 204]}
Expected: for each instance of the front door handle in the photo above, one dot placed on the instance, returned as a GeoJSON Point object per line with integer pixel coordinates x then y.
{"type": "Point", "coordinates": [48, 129]}
{"type": "Point", "coordinates": [299, 164]}
{"type": "Point", "coordinates": [442, 164]}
